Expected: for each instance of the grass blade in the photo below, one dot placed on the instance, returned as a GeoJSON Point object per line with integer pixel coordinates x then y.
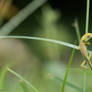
{"type": "Point", "coordinates": [42, 39]}
{"type": "Point", "coordinates": [21, 16]}
{"type": "Point", "coordinates": [24, 86]}
{"type": "Point", "coordinates": [69, 84]}
{"type": "Point", "coordinates": [2, 76]}
{"type": "Point", "coordinates": [77, 30]}
{"type": "Point", "coordinates": [21, 78]}
{"type": "Point", "coordinates": [87, 16]}
{"type": "Point", "coordinates": [67, 71]}
{"type": "Point", "coordinates": [84, 81]}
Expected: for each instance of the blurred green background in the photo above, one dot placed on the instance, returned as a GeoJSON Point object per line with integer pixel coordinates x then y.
{"type": "Point", "coordinates": [43, 63]}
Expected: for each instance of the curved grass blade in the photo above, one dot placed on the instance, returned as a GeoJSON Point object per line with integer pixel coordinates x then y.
{"type": "Point", "coordinates": [21, 78]}
{"type": "Point", "coordinates": [3, 73]}
{"type": "Point", "coordinates": [42, 39]}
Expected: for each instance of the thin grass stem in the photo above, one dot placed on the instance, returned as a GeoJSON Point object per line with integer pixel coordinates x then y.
{"type": "Point", "coordinates": [67, 71]}
{"type": "Point", "coordinates": [84, 81]}
{"type": "Point", "coordinates": [21, 78]}
{"type": "Point", "coordinates": [87, 16]}
{"type": "Point", "coordinates": [68, 84]}
{"type": "Point", "coordinates": [77, 30]}
{"type": "Point", "coordinates": [21, 16]}
{"type": "Point", "coordinates": [42, 39]}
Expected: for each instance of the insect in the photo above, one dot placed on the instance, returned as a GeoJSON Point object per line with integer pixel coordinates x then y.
{"type": "Point", "coordinates": [82, 47]}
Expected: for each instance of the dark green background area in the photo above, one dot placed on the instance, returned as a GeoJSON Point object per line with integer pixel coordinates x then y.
{"type": "Point", "coordinates": [69, 10]}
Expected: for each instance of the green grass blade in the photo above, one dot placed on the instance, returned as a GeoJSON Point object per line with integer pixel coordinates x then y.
{"type": "Point", "coordinates": [21, 78]}
{"type": "Point", "coordinates": [77, 29]}
{"type": "Point", "coordinates": [87, 16]}
{"type": "Point", "coordinates": [84, 81]}
{"type": "Point", "coordinates": [2, 76]}
{"type": "Point", "coordinates": [24, 86]}
{"type": "Point", "coordinates": [67, 71]}
{"type": "Point", "coordinates": [42, 39]}
{"type": "Point", "coordinates": [69, 84]}
{"type": "Point", "coordinates": [21, 16]}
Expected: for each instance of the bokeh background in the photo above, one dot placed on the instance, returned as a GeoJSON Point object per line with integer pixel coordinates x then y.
{"type": "Point", "coordinates": [40, 62]}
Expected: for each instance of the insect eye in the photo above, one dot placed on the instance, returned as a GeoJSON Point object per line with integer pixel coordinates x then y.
{"type": "Point", "coordinates": [88, 36]}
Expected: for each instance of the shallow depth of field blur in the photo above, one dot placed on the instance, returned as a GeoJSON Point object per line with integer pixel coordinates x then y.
{"type": "Point", "coordinates": [41, 63]}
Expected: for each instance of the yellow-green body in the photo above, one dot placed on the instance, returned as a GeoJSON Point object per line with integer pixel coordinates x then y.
{"type": "Point", "coordinates": [82, 48]}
